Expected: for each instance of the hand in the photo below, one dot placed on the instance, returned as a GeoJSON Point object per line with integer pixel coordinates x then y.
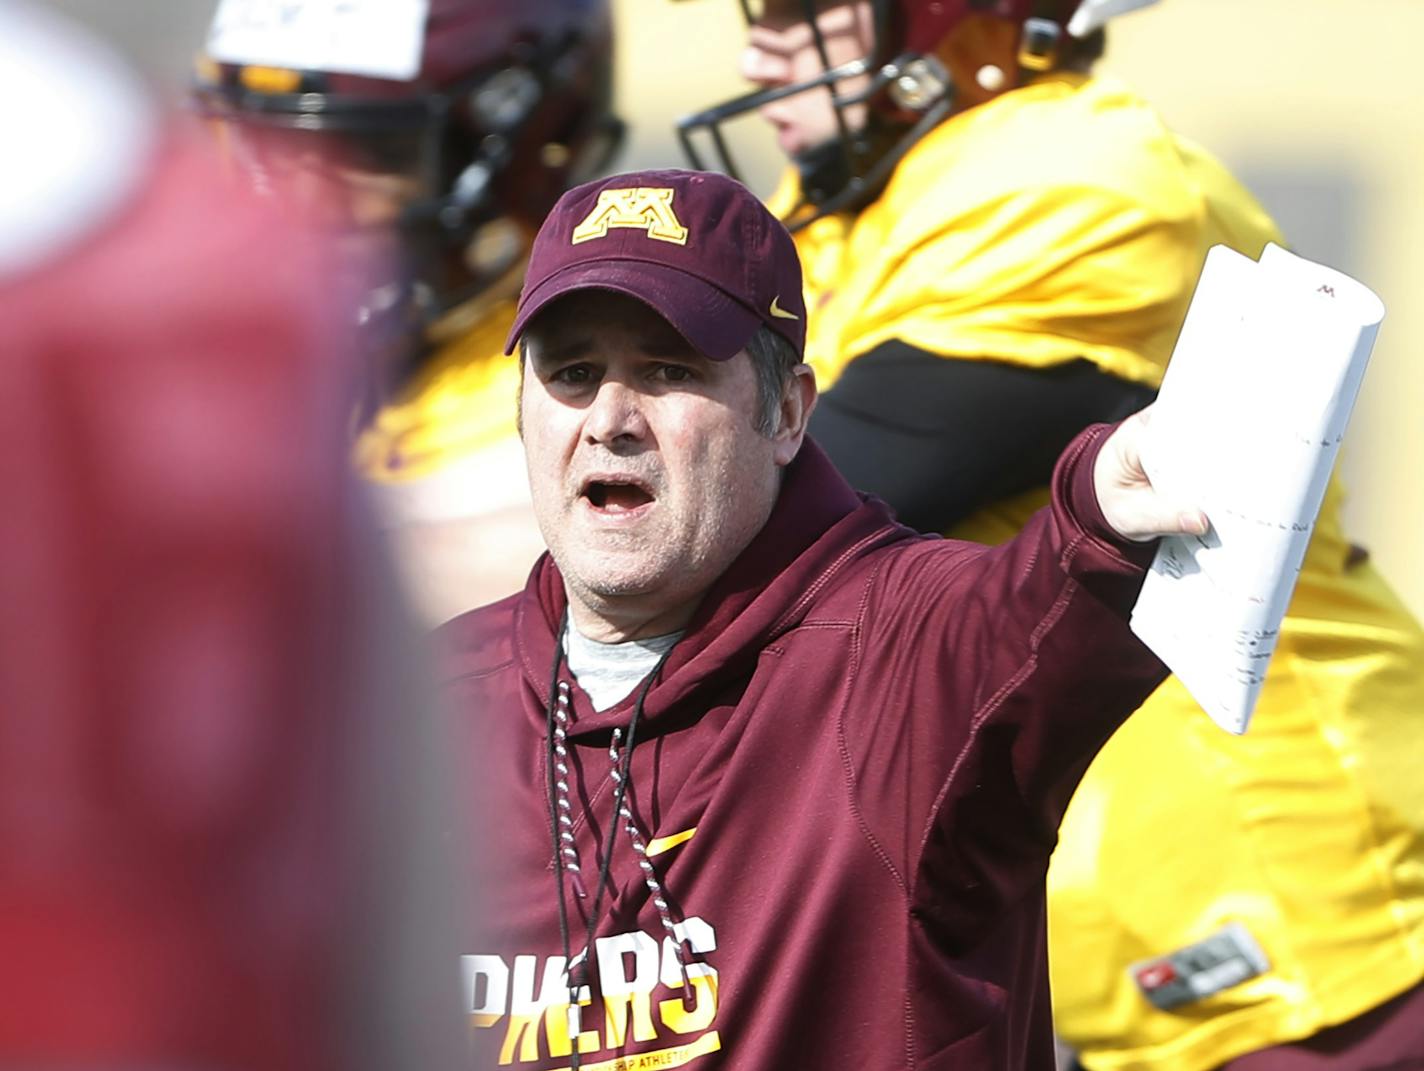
{"type": "Point", "coordinates": [1129, 502]}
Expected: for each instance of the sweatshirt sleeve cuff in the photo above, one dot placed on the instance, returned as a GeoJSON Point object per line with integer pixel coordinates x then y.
{"type": "Point", "coordinates": [1076, 500]}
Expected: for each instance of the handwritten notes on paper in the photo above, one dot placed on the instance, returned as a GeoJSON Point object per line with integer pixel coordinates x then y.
{"type": "Point", "coordinates": [1247, 426]}
{"type": "Point", "coordinates": [375, 38]}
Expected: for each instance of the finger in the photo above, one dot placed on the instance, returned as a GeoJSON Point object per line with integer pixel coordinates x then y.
{"type": "Point", "coordinates": [1192, 522]}
{"type": "Point", "coordinates": [1164, 520]}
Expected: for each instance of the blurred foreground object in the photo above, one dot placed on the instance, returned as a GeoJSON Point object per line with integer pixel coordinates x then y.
{"type": "Point", "coordinates": [446, 172]}
{"type": "Point", "coordinates": [209, 818]}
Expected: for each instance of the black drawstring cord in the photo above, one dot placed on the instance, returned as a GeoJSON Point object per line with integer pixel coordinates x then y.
{"type": "Point", "coordinates": [575, 984]}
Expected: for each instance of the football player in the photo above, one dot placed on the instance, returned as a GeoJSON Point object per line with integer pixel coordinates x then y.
{"type": "Point", "coordinates": [1000, 246]}
{"type": "Point", "coordinates": [446, 175]}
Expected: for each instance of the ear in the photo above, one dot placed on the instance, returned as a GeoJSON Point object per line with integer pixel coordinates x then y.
{"type": "Point", "coordinates": [797, 402]}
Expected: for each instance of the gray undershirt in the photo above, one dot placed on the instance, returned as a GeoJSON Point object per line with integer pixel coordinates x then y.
{"type": "Point", "coordinates": [609, 672]}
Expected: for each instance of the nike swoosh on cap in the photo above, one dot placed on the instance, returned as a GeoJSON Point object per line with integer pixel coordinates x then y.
{"type": "Point", "coordinates": [779, 312]}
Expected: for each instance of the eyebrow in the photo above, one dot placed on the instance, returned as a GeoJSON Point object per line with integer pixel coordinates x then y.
{"type": "Point", "coordinates": [559, 351]}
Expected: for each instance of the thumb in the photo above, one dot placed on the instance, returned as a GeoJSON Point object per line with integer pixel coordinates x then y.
{"type": "Point", "coordinates": [1149, 517]}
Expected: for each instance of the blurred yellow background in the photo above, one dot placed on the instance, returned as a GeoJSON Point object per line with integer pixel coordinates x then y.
{"type": "Point", "coordinates": [1311, 103]}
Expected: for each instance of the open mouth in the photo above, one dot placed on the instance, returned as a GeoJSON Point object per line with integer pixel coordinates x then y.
{"type": "Point", "coordinates": [616, 496]}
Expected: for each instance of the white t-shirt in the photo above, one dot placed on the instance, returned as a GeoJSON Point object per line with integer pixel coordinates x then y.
{"type": "Point", "coordinates": [609, 672]}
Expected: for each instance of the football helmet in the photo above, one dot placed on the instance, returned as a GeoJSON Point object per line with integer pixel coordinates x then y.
{"type": "Point", "coordinates": [903, 83]}
{"type": "Point", "coordinates": [511, 105]}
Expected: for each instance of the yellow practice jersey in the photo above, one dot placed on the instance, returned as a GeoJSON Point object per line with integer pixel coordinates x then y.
{"type": "Point", "coordinates": [445, 463]}
{"type": "Point", "coordinates": [1064, 221]}
{"type": "Point", "coordinates": [441, 447]}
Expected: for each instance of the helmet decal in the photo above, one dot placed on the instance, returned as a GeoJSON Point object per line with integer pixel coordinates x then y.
{"type": "Point", "coordinates": [375, 38]}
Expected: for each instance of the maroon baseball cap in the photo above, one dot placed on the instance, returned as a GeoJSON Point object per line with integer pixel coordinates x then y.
{"type": "Point", "coordinates": [695, 246]}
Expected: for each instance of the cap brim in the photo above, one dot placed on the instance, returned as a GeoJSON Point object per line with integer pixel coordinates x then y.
{"type": "Point", "coordinates": [717, 325]}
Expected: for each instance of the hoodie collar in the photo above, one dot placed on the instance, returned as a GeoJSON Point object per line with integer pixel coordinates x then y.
{"type": "Point", "coordinates": [818, 525]}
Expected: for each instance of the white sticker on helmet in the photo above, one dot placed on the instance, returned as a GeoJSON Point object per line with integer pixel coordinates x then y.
{"type": "Point", "coordinates": [375, 38]}
{"type": "Point", "coordinates": [1094, 13]}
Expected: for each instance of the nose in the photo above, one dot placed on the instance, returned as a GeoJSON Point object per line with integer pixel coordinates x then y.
{"type": "Point", "coordinates": [764, 68]}
{"type": "Point", "coordinates": [615, 418]}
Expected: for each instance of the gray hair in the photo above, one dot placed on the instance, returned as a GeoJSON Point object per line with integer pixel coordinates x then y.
{"type": "Point", "coordinates": [774, 359]}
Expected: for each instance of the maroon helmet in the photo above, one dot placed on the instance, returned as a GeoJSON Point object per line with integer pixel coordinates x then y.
{"type": "Point", "coordinates": [511, 105]}
{"type": "Point", "coordinates": [910, 90]}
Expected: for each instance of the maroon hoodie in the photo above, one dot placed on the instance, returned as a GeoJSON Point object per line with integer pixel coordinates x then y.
{"type": "Point", "coordinates": [848, 775]}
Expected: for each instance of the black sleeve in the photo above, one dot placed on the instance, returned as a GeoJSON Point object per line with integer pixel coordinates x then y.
{"type": "Point", "coordinates": [938, 438]}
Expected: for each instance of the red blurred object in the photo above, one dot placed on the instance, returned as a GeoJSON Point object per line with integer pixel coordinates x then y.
{"type": "Point", "coordinates": [922, 25]}
{"type": "Point", "coordinates": [1156, 975]}
{"type": "Point", "coordinates": [180, 600]}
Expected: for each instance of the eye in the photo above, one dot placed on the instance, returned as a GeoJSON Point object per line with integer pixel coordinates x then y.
{"type": "Point", "coordinates": [675, 373]}
{"type": "Point", "coordinates": [573, 374]}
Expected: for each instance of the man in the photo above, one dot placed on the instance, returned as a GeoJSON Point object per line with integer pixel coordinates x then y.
{"type": "Point", "coordinates": [198, 655]}
{"type": "Point", "coordinates": [447, 174]}
{"type": "Point", "coordinates": [1000, 250]}
{"type": "Point", "coordinates": [776, 780]}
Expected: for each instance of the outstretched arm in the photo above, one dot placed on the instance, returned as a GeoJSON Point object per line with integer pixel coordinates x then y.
{"type": "Point", "coordinates": [1031, 668]}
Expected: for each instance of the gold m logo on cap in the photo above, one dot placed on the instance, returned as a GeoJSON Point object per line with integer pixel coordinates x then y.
{"type": "Point", "coordinates": [648, 208]}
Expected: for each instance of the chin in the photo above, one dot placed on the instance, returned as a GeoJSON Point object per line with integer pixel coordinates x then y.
{"type": "Point", "coordinates": [619, 586]}
{"type": "Point", "coordinates": [604, 580]}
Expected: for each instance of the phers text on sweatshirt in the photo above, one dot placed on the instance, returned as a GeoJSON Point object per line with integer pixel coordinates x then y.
{"type": "Point", "coordinates": [644, 1001]}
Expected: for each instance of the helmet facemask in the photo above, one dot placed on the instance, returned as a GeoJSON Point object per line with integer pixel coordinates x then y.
{"type": "Point", "coordinates": [882, 105]}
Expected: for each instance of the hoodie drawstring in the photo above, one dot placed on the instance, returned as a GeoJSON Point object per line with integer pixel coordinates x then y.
{"type": "Point", "coordinates": [650, 874]}
{"type": "Point", "coordinates": [561, 826]}
{"type": "Point", "coordinates": [567, 848]}
{"type": "Point", "coordinates": [558, 786]}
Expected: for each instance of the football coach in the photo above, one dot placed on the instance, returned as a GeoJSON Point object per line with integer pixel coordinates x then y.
{"type": "Point", "coordinates": [767, 780]}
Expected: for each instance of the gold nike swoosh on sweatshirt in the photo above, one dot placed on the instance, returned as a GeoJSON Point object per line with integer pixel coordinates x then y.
{"type": "Point", "coordinates": [661, 844]}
